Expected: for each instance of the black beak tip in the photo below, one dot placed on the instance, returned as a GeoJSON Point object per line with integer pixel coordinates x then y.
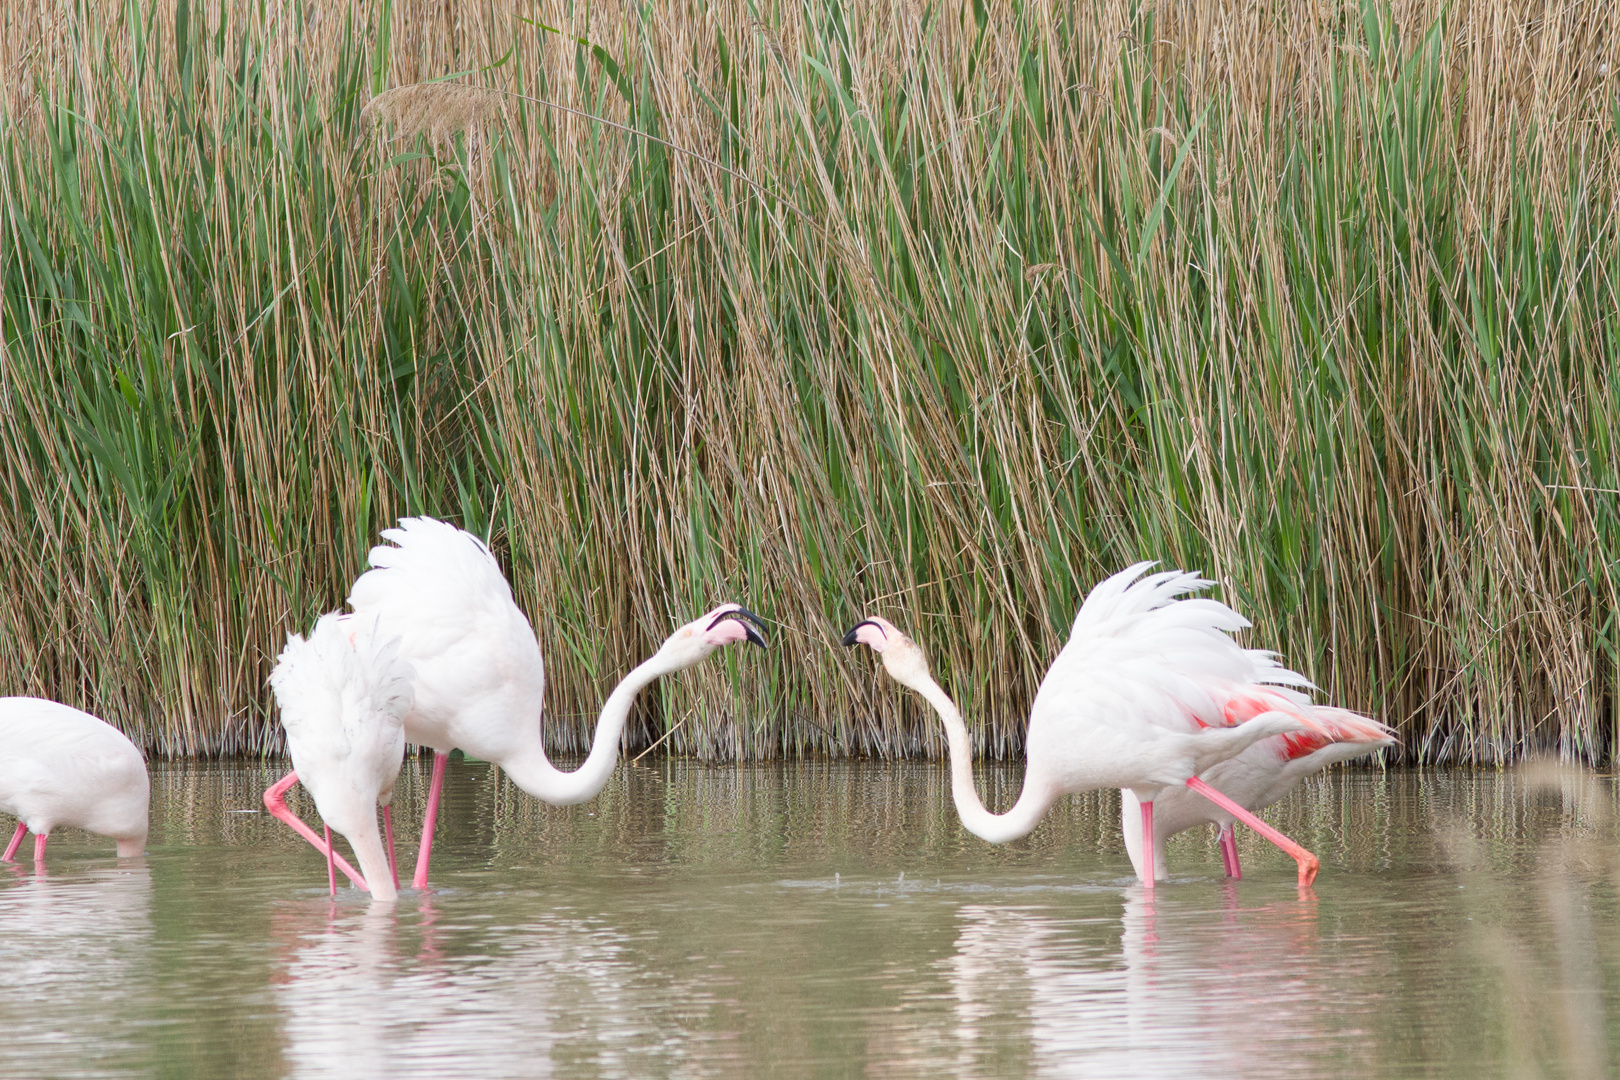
{"type": "Point", "coordinates": [754, 636]}
{"type": "Point", "coordinates": [849, 638]}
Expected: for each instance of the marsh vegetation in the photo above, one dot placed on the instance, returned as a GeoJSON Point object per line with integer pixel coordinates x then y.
{"type": "Point", "coordinates": [935, 311]}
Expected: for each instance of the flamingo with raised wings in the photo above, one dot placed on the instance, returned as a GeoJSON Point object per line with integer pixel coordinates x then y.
{"type": "Point", "coordinates": [1137, 699]}
{"type": "Point", "coordinates": [479, 679]}
{"type": "Point", "coordinates": [1255, 779]}
{"type": "Point", "coordinates": [61, 766]}
{"type": "Point", "coordinates": [344, 693]}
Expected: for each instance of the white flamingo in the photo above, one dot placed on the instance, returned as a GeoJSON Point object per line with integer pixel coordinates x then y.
{"type": "Point", "coordinates": [1136, 699]}
{"type": "Point", "coordinates": [60, 766]}
{"type": "Point", "coordinates": [479, 679]}
{"type": "Point", "coordinates": [1256, 778]}
{"type": "Point", "coordinates": [344, 694]}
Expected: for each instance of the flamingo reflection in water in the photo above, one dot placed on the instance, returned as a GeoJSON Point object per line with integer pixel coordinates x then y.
{"type": "Point", "coordinates": [548, 986]}
{"type": "Point", "coordinates": [1185, 995]}
{"type": "Point", "coordinates": [81, 990]}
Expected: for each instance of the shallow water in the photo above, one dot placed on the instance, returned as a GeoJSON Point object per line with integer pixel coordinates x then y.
{"type": "Point", "coordinates": [830, 920]}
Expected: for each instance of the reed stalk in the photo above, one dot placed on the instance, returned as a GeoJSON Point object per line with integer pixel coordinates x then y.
{"type": "Point", "coordinates": [941, 312]}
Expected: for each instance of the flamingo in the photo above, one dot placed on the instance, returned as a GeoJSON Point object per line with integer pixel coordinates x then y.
{"type": "Point", "coordinates": [1256, 778]}
{"type": "Point", "coordinates": [60, 766]}
{"type": "Point", "coordinates": [479, 678]}
{"type": "Point", "coordinates": [1136, 699]}
{"type": "Point", "coordinates": [344, 693]}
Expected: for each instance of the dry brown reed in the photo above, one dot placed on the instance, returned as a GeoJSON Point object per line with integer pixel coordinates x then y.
{"type": "Point", "coordinates": [940, 312]}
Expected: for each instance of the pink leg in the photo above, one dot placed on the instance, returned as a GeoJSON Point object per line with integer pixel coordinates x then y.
{"type": "Point", "coordinates": [275, 801]}
{"type": "Point", "coordinates": [331, 870]}
{"type": "Point", "coordinates": [16, 842]}
{"type": "Point", "coordinates": [1147, 845]}
{"type": "Point", "coordinates": [1307, 862]}
{"type": "Point", "coordinates": [426, 850]}
{"type": "Point", "coordinates": [1229, 853]}
{"type": "Point", "coordinates": [39, 846]}
{"type": "Point", "coordinates": [388, 831]}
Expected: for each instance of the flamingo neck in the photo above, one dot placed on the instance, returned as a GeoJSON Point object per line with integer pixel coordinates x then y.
{"type": "Point", "coordinates": [1033, 801]}
{"type": "Point", "coordinates": [533, 771]}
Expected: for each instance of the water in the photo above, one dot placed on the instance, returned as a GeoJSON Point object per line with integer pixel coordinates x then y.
{"type": "Point", "coordinates": [825, 920]}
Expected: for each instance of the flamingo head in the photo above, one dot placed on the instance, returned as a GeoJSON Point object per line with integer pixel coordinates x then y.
{"type": "Point", "coordinates": [699, 638]}
{"type": "Point", "coordinates": [902, 657]}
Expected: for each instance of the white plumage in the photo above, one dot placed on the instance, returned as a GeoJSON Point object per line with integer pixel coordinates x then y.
{"type": "Point", "coordinates": [479, 678]}
{"type": "Point", "coordinates": [61, 766]}
{"type": "Point", "coordinates": [344, 693]}
{"type": "Point", "coordinates": [1137, 699]}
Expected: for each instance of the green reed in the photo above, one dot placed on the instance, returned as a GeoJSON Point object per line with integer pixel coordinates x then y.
{"type": "Point", "coordinates": [942, 313]}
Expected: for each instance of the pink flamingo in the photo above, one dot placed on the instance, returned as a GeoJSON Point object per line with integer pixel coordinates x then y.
{"type": "Point", "coordinates": [344, 694]}
{"type": "Point", "coordinates": [479, 679]}
{"type": "Point", "coordinates": [1256, 778]}
{"type": "Point", "coordinates": [60, 766]}
{"type": "Point", "coordinates": [1135, 700]}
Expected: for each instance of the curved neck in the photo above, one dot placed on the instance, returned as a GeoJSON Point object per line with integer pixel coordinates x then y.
{"type": "Point", "coordinates": [533, 771]}
{"type": "Point", "coordinates": [1033, 801]}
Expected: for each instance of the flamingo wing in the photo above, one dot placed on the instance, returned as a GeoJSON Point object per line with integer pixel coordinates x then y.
{"type": "Point", "coordinates": [473, 653]}
{"type": "Point", "coordinates": [1139, 651]}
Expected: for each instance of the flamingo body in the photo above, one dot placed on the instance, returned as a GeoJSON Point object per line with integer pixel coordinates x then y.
{"type": "Point", "coordinates": [475, 657]}
{"type": "Point", "coordinates": [344, 693]}
{"type": "Point", "coordinates": [61, 766]}
{"type": "Point", "coordinates": [479, 678]}
{"type": "Point", "coordinates": [1138, 698]}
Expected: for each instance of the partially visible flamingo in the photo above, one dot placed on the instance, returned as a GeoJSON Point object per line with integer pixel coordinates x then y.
{"type": "Point", "coordinates": [61, 766]}
{"type": "Point", "coordinates": [1136, 699]}
{"type": "Point", "coordinates": [1256, 778]}
{"type": "Point", "coordinates": [479, 678]}
{"type": "Point", "coordinates": [344, 693]}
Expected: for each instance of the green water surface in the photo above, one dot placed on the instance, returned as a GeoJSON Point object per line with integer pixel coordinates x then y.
{"type": "Point", "coordinates": [824, 920]}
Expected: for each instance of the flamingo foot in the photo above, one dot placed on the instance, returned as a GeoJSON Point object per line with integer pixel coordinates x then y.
{"type": "Point", "coordinates": [1308, 864]}
{"type": "Point", "coordinates": [16, 842]}
{"type": "Point", "coordinates": [275, 801]}
{"type": "Point", "coordinates": [425, 852]}
{"type": "Point", "coordinates": [388, 831]}
{"type": "Point", "coordinates": [1147, 845]}
{"type": "Point", "coordinates": [1229, 854]}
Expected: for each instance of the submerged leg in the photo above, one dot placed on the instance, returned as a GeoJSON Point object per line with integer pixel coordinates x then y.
{"type": "Point", "coordinates": [1229, 853]}
{"type": "Point", "coordinates": [1307, 862]}
{"type": "Point", "coordinates": [419, 879]}
{"type": "Point", "coordinates": [16, 842]}
{"type": "Point", "coordinates": [331, 870]}
{"type": "Point", "coordinates": [1147, 845]}
{"type": "Point", "coordinates": [39, 846]}
{"type": "Point", "coordinates": [388, 831]}
{"type": "Point", "coordinates": [275, 801]}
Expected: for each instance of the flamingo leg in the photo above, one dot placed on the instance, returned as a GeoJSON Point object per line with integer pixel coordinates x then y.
{"type": "Point", "coordinates": [275, 801]}
{"type": "Point", "coordinates": [1307, 862]}
{"type": "Point", "coordinates": [425, 852]}
{"type": "Point", "coordinates": [388, 831]}
{"type": "Point", "coordinates": [1229, 853]}
{"type": "Point", "coordinates": [1147, 845]}
{"type": "Point", "coordinates": [39, 846]}
{"type": "Point", "coordinates": [16, 842]}
{"type": "Point", "coordinates": [331, 870]}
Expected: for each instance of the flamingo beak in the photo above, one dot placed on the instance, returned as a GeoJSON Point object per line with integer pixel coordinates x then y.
{"type": "Point", "coordinates": [851, 639]}
{"type": "Point", "coordinates": [743, 616]}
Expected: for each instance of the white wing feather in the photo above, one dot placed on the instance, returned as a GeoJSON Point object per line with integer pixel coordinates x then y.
{"type": "Point", "coordinates": [1137, 650]}
{"type": "Point", "coordinates": [476, 660]}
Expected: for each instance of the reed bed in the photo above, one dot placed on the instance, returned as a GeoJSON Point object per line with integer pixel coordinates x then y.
{"type": "Point", "coordinates": [941, 312]}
